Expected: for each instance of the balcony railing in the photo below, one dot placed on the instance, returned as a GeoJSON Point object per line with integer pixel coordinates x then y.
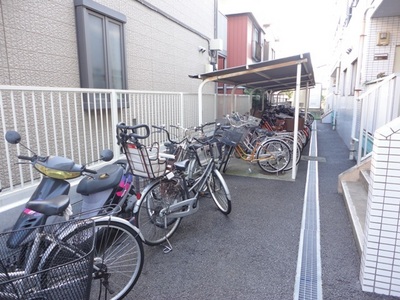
{"type": "Point", "coordinates": [376, 107]}
{"type": "Point", "coordinates": [79, 123]}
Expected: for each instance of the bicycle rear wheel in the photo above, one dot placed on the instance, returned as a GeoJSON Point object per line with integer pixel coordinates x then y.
{"type": "Point", "coordinates": [219, 192]}
{"type": "Point", "coordinates": [155, 228]}
{"type": "Point", "coordinates": [273, 156]}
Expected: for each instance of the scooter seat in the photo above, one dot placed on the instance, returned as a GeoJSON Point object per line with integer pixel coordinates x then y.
{"type": "Point", "coordinates": [107, 177]}
{"type": "Point", "coordinates": [49, 207]}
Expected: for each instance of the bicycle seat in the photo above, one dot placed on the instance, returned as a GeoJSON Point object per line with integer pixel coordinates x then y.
{"type": "Point", "coordinates": [49, 207]}
{"type": "Point", "coordinates": [182, 165]}
{"type": "Point", "coordinates": [194, 147]}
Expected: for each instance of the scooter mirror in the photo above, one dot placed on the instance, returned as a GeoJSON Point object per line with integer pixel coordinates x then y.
{"type": "Point", "coordinates": [106, 155]}
{"type": "Point", "coordinates": [13, 137]}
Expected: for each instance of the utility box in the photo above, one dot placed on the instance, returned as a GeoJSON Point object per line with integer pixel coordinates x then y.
{"type": "Point", "coordinates": [216, 44]}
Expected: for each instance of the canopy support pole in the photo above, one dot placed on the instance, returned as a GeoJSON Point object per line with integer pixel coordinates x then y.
{"type": "Point", "coordinates": [200, 99]}
{"type": "Point", "coordinates": [296, 121]}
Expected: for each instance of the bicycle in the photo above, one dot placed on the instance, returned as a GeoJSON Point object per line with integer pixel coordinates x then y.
{"type": "Point", "coordinates": [271, 154]}
{"type": "Point", "coordinates": [77, 259]}
{"type": "Point", "coordinates": [32, 270]}
{"type": "Point", "coordinates": [187, 148]}
{"type": "Point", "coordinates": [116, 239]}
{"type": "Point", "coordinates": [169, 197]}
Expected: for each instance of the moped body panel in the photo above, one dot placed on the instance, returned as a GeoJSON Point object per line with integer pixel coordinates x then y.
{"type": "Point", "coordinates": [47, 188]}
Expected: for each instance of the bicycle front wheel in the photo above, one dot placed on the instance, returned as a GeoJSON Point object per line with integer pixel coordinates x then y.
{"type": "Point", "coordinates": [118, 259]}
{"type": "Point", "coordinates": [273, 156]}
{"type": "Point", "coordinates": [219, 192]}
{"type": "Point", "coordinates": [154, 227]}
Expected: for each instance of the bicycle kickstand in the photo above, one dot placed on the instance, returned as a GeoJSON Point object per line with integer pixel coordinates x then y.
{"type": "Point", "coordinates": [167, 248]}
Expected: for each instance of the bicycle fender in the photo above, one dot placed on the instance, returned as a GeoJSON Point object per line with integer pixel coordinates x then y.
{"type": "Point", "coordinates": [120, 220]}
{"type": "Point", "coordinates": [145, 191]}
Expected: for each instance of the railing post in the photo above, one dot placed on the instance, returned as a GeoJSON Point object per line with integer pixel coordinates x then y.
{"type": "Point", "coordinates": [114, 119]}
{"type": "Point", "coordinates": [182, 112]}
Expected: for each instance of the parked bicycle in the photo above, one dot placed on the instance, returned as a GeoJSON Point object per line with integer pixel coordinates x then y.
{"type": "Point", "coordinates": [271, 154]}
{"type": "Point", "coordinates": [171, 195]}
{"type": "Point", "coordinates": [185, 146]}
{"type": "Point", "coordinates": [47, 264]}
{"type": "Point", "coordinates": [118, 251]}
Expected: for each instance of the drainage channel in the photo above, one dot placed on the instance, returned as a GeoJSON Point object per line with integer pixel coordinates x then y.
{"type": "Point", "coordinates": [308, 284]}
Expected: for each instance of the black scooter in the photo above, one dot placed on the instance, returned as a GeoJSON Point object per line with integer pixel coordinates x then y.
{"type": "Point", "coordinates": [110, 186]}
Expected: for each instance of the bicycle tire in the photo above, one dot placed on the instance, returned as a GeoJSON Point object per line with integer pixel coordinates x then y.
{"type": "Point", "coordinates": [123, 257]}
{"type": "Point", "coordinates": [219, 192]}
{"type": "Point", "coordinates": [289, 140]}
{"type": "Point", "coordinates": [278, 153]}
{"type": "Point", "coordinates": [118, 258]}
{"type": "Point", "coordinates": [154, 228]}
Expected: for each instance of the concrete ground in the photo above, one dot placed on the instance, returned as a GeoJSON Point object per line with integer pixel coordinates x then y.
{"type": "Point", "coordinates": [252, 253]}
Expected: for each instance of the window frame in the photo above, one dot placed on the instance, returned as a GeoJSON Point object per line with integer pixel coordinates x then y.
{"type": "Point", "coordinates": [83, 9]}
{"type": "Point", "coordinates": [256, 43]}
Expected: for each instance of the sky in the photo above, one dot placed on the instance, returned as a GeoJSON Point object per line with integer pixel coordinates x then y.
{"type": "Point", "coordinates": [300, 25]}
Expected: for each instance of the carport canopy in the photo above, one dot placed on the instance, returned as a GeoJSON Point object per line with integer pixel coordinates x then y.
{"type": "Point", "coordinates": [273, 75]}
{"type": "Point", "coordinates": [289, 73]}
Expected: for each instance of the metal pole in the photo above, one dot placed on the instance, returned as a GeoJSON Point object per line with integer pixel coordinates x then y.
{"type": "Point", "coordinates": [200, 99]}
{"type": "Point", "coordinates": [296, 121]}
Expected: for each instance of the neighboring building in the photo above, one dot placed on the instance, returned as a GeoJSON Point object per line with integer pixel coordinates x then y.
{"type": "Point", "coordinates": [124, 44]}
{"type": "Point", "coordinates": [245, 40]}
{"type": "Point", "coordinates": [245, 44]}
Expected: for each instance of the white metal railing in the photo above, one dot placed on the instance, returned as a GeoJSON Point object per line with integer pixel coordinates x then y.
{"type": "Point", "coordinates": [379, 105]}
{"type": "Point", "coordinates": [79, 123]}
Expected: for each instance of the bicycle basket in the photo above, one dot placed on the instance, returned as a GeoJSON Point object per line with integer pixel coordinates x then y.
{"type": "Point", "coordinates": [59, 268]}
{"type": "Point", "coordinates": [233, 136]}
{"type": "Point", "coordinates": [145, 161]}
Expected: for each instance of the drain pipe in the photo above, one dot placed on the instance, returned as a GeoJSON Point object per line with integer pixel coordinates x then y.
{"type": "Point", "coordinates": [336, 95]}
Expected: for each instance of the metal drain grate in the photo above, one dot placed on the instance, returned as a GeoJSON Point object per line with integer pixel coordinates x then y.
{"type": "Point", "coordinates": [308, 278]}
{"type": "Point", "coordinates": [313, 158]}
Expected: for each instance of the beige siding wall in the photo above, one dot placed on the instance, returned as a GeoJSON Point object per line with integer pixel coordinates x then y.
{"type": "Point", "coordinates": [39, 43]}
{"type": "Point", "coordinates": [39, 47]}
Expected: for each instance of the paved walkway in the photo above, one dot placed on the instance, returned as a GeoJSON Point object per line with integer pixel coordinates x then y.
{"type": "Point", "coordinates": [253, 252]}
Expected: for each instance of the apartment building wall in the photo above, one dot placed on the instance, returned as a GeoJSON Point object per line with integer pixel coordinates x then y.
{"type": "Point", "coordinates": [359, 60]}
{"type": "Point", "coordinates": [38, 43]}
{"type": "Point", "coordinates": [380, 59]}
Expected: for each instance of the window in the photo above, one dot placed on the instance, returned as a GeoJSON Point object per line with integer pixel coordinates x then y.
{"type": "Point", "coordinates": [101, 48]}
{"type": "Point", "coordinates": [256, 45]}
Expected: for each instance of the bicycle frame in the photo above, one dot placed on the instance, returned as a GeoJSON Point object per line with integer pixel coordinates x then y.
{"type": "Point", "coordinates": [251, 157]}
{"type": "Point", "coordinates": [190, 204]}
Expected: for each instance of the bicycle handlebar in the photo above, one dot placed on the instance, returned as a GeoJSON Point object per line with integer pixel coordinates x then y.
{"type": "Point", "coordinates": [168, 134]}
{"type": "Point", "coordinates": [123, 135]}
